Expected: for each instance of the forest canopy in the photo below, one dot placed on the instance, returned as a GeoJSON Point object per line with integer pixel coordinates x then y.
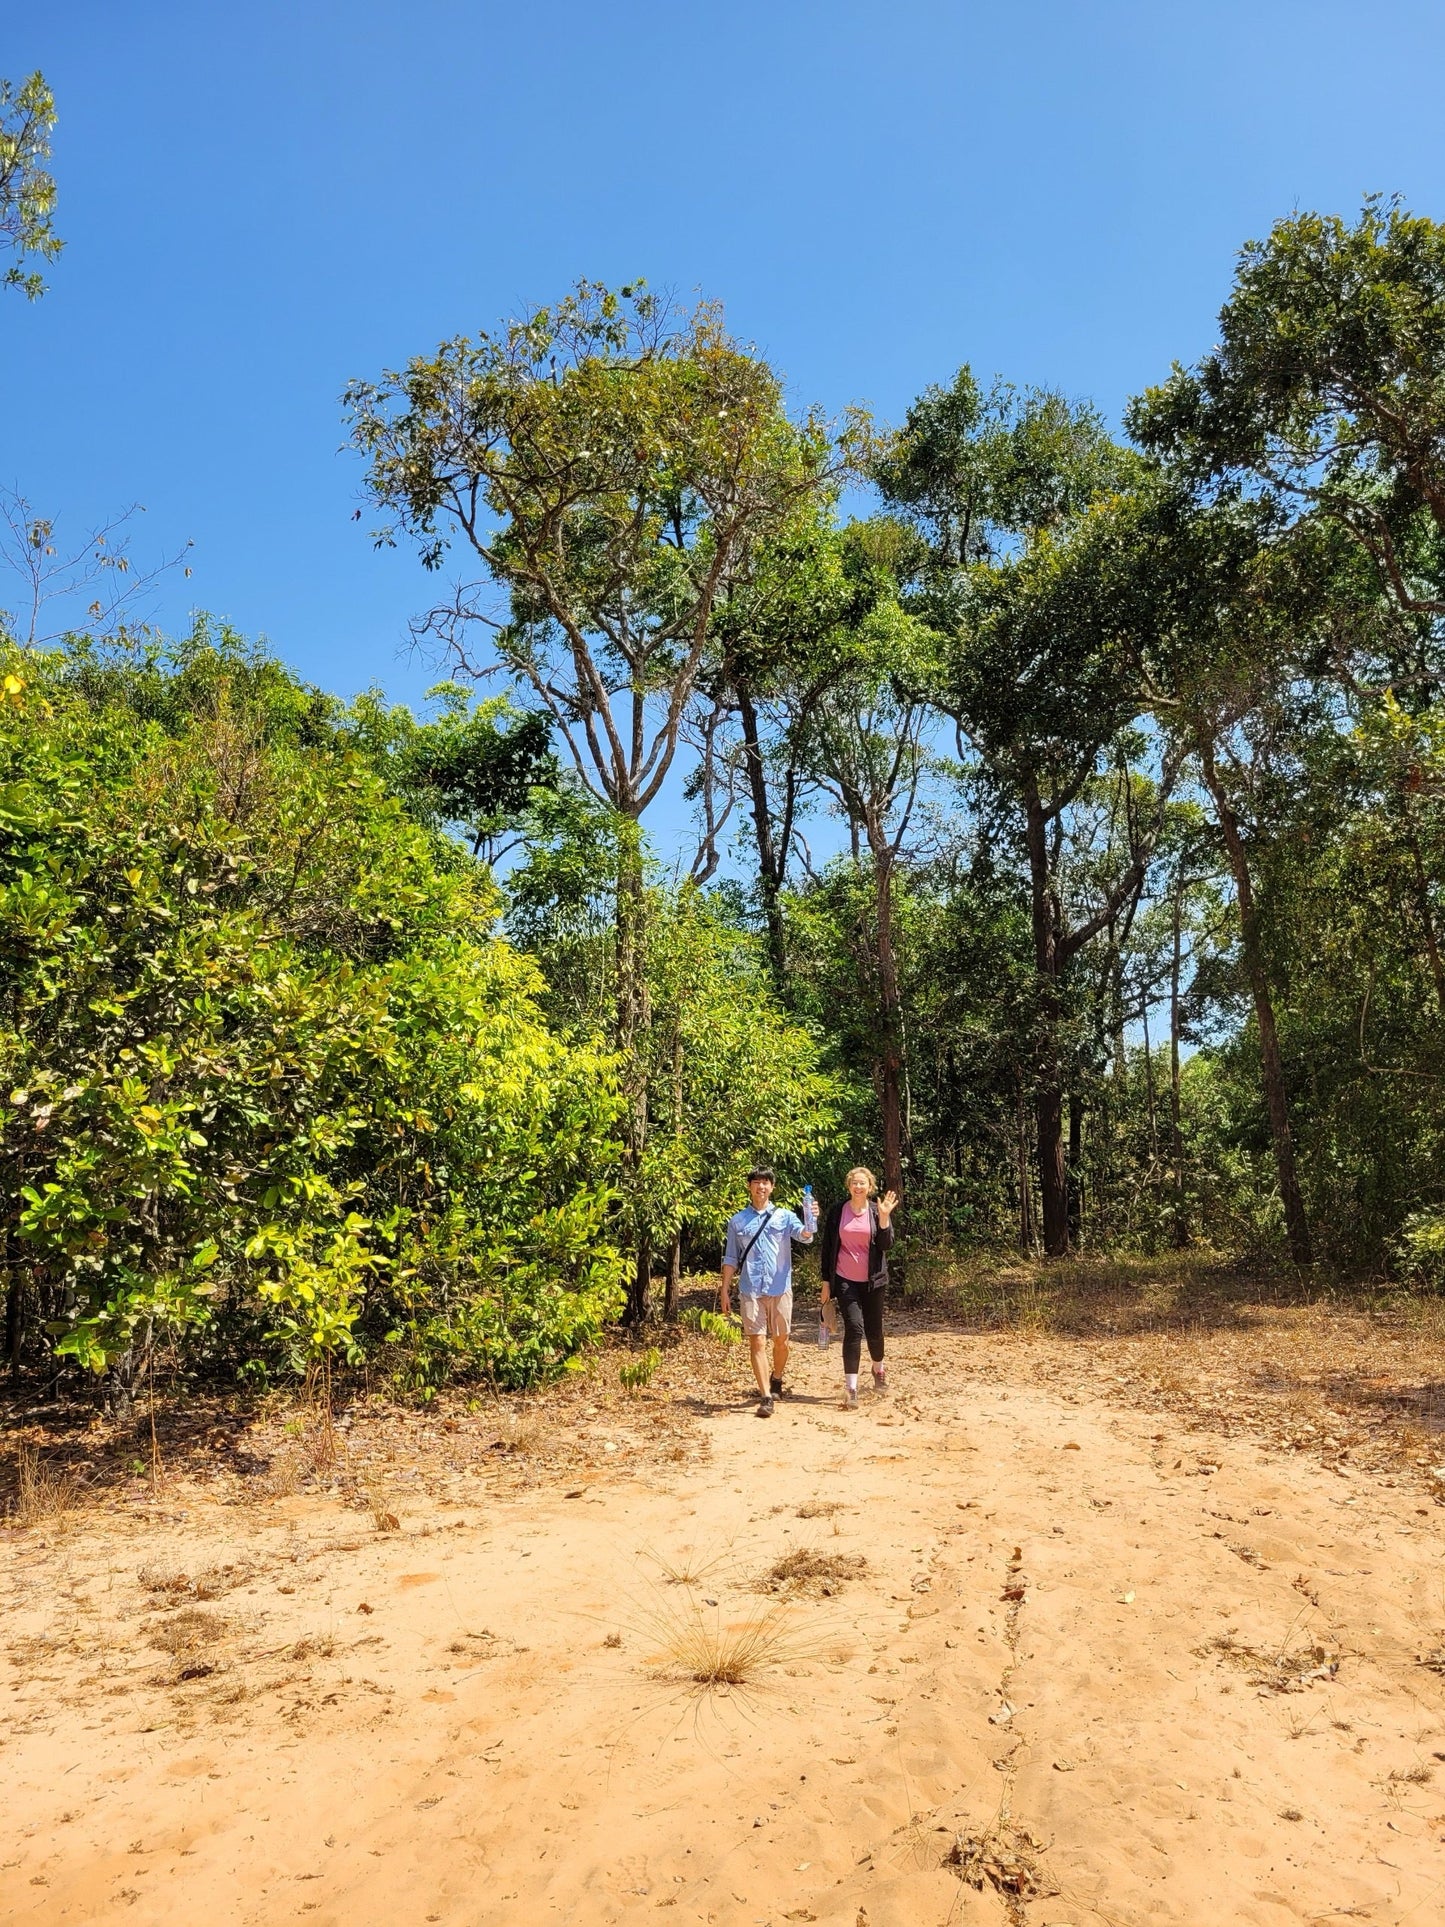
{"type": "Point", "coordinates": [1068, 846]}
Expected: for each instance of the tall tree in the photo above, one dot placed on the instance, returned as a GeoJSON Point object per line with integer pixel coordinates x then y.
{"type": "Point", "coordinates": [864, 733]}
{"type": "Point", "coordinates": [1014, 492]}
{"type": "Point", "coordinates": [611, 464]}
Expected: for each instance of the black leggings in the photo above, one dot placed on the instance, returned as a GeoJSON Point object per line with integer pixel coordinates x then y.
{"type": "Point", "coordinates": [862, 1310]}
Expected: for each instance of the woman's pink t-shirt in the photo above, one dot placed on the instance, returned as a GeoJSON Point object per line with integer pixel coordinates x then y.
{"type": "Point", "coordinates": [855, 1234]}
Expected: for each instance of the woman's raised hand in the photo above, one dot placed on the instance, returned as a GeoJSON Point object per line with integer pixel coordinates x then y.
{"type": "Point", "coordinates": [887, 1205]}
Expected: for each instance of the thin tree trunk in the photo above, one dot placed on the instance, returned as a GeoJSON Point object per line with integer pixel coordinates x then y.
{"type": "Point", "coordinates": [14, 1316]}
{"type": "Point", "coordinates": [1272, 1064]}
{"type": "Point", "coordinates": [890, 1047]}
{"type": "Point", "coordinates": [1150, 1102]}
{"type": "Point", "coordinates": [632, 1025]}
{"type": "Point", "coordinates": [1026, 1203]}
{"type": "Point", "coordinates": [1176, 1131]}
{"type": "Point", "coordinates": [674, 1252]}
{"type": "Point", "coordinates": [674, 1279]}
{"type": "Point", "coordinates": [1076, 1165]}
{"type": "Point", "coordinates": [1422, 899]}
{"type": "Point", "coordinates": [769, 872]}
{"type": "Point", "coordinates": [1048, 1087]}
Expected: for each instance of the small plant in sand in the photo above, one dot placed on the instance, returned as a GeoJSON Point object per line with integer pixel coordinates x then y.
{"type": "Point", "coordinates": [42, 1491]}
{"type": "Point", "coordinates": [638, 1372]}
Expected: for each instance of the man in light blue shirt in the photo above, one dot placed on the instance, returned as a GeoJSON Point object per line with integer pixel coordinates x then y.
{"type": "Point", "coordinates": [759, 1255]}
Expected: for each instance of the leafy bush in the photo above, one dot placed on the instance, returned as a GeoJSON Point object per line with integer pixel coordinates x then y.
{"type": "Point", "coordinates": [1420, 1249]}
{"type": "Point", "coordinates": [268, 1070]}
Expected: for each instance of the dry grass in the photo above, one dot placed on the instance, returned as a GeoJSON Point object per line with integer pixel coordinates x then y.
{"type": "Point", "coordinates": [209, 1582]}
{"type": "Point", "coordinates": [1291, 1669]}
{"type": "Point", "coordinates": [816, 1575]}
{"type": "Point", "coordinates": [689, 1567]}
{"type": "Point", "coordinates": [186, 1632]}
{"type": "Point", "coordinates": [704, 1652]}
{"type": "Point", "coordinates": [1003, 1857]}
{"type": "Point", "coordinates": [383, 1512]}
{"type": "Point", "coordinates": [44, 1491]}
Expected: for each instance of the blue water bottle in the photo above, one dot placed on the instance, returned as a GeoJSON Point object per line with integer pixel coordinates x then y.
{"type": "Point", "coordinates": [810, 1210]}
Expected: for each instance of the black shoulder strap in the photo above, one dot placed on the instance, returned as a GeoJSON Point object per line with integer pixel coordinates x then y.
{"type": "Point", "coordinates": [748, 1247]}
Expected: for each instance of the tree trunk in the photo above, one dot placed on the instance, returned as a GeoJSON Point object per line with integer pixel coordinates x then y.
{"type": "Point", "coordinates": [1427, 917]}
{"type": "Point", "coordinates": [1076, 1165]}
{"type": "Point", "coordinates": [1048, 1086]}
{"type": "Point", "coordinates": [1151, 1106]}
{"type": "Point", "coordinates": [633, 1016]}
{"type": "Point", "coordinates": [14, 1316]}
{"type": "Point", "coordinates": [890, 1048]}
{"type": "Point", "coordinates": [674, 1250]}
{"type": "Point", "coordinates": [674, 1279]}
{"type": "Point", "coordinates": [769, 872]}
{"type": "Point", "coordinates": [1176, 1132]}
{"type": "Point", "coordinates": [1272, 1065]}
{"type": "Point", "coordinates": [1026, 1202]}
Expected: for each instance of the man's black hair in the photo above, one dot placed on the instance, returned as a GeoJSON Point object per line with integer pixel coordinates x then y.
{"type": "Point", "coordinates": [762, 1171]}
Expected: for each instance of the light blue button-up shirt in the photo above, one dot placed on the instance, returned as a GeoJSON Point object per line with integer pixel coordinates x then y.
{"type": "Point", "coordinates": [769, 1270]}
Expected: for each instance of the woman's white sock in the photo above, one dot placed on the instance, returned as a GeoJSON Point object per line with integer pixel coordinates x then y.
{"type": "Point", "coordinates": [850, 1379]}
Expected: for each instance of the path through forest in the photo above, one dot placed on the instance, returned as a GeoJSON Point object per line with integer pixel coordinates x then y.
{"type": "Point", "coordinates": [1026, 1652]}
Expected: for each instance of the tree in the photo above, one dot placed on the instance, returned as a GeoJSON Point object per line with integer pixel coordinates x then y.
{"type": "Point", "coordinates": [272, 1084]}
{"type": "Point", "coordinates": [611, 464]}
{"type": "Point", "coordinates": [27, 189]}
{"type": "Point", "coordinates": [863, 733]}
{"type": "Point", "coordinates": [1015, 495]}
{"type": "Point", "coordinates": [1326, 388]}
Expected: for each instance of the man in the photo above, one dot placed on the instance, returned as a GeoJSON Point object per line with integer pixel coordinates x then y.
{"type": "Point", "coordinates": [760, 1248]}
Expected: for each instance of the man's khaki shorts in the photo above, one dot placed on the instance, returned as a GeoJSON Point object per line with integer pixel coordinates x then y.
{"type": "Point", "coordinates": [764, 1315]}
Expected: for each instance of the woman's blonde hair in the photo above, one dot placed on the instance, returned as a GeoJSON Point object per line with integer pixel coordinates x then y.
{"type": "Point", "coordinates": [861, 1171]}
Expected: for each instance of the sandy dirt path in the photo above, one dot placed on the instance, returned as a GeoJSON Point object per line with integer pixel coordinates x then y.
{"type": "Point", "coordinates": [1114, 1670]}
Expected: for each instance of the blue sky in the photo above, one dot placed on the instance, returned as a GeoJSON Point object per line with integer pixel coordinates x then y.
{"type": "Point", "coordinates": [263, 200]}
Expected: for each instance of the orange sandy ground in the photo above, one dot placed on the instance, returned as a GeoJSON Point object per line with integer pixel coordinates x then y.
{"type": "Point", "coordinates": [1122, 1631]}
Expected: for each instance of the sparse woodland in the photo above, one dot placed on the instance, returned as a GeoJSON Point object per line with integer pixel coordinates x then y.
{"type": "Point", "coordinates": [1070, 843]}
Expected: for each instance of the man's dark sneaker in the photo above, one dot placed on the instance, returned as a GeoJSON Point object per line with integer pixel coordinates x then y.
{"type": "Point", "coordinates": [765, 1406]}
{"type": "Point", "coordinates": [775, 1388]}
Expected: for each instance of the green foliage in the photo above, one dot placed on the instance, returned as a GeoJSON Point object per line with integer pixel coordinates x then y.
{"type": "Point", "coordinates": [712, 1324]}
{"type": "Point", "coordinates": [267, 1068]}
{"type": "Point", "coordinates": [27, 189]}
{"type": "Point", "coordinates": [638, 1372]}
{"type": "Point", "coordinates": [1420, 1250]}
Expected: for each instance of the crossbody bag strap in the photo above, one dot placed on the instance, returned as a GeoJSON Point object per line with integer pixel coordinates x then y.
{"type": "Point", "coordinates": [748, 1247]}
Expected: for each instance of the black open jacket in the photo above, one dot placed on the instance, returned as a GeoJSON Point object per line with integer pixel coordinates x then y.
{"type": "Point", "coordinates": [877, 1248]}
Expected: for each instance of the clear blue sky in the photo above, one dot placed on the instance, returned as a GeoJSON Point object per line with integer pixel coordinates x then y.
{"type": "Point", "coordinates": [261, 200]}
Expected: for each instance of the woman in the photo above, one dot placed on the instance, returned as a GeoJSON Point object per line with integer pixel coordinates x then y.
{"type": "Point", "coordinates": [854, 1264]}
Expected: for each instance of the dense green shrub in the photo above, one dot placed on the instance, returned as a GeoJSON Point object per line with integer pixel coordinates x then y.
{"type": "Point", "coordinates": [267, 1070]}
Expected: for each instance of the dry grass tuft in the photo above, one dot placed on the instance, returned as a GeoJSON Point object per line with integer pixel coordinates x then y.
{"type": "Point", "coordinates": [318, 1647]}
{"type": "Point", "coordinates": [383, 1516]}
{"type": "Point", "coordinates": [820, 1508]}
{"type": "Point", "coordinates": [43, 1491]}
{"type": "Point", "coordinates": [700, 1649]}
{"type": "Point", "coordinates": [689, 1568]}
{"type": "Point", "coordinates": [209, 1583]}
{"type": "Point", "coordinates": [188, 1631]}
{"type": "Point", "coordinates": [817, 1575]}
